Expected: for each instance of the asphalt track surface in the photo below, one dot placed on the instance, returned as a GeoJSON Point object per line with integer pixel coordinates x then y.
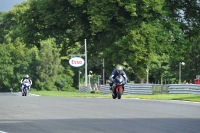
{"type": "Point", "coordinates": [33, 114]}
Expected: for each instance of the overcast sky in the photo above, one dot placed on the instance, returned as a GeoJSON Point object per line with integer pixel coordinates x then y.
{"type": "Point", "coordinates": [6, 5]}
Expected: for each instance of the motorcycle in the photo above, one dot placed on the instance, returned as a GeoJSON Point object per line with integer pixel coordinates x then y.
{"type": "Point", "coordinates": [25, 87]}
{"type": "Point", "coordinates": [118, 87]}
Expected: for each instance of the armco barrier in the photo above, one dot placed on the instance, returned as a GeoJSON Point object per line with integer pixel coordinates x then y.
{"type": "Point", "coordinates": [138, 89]}
{"type": "Point", "coordinates": [147, 89]}
{"type": "Point", "coordinates": [130, 89]}
{"type": "Point", "coordinates": [159, 89]}
{"type": "Point", "coordinates": [83, 89]}
{"type": "Point", "coordinates": [184, 89]}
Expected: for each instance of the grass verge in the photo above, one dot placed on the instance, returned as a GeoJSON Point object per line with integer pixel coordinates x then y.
{"type": "Point", "coordinates": [185, 97]}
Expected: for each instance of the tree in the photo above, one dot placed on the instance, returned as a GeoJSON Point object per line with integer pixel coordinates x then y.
{"type": "Point", "coordinates": [129, 27]}
{"type": "Point", "coordinates": [49, 70]}
{"type": "Point", "coordinates": [6, 68]}
{"type": "Point", "coordinates": [15, 64]}
{"type": "Point", "coordinates": [136, 34]}
{"type": "Point", "coordinates": [2, 27]}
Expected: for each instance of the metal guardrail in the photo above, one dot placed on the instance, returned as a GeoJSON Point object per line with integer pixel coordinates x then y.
{"type": "Point", "coordinates": [138, 89]}
{"type": "Point", "coordinates": [184, 89]}
{"type": "Point", "coordinates": [93, 85]}
{"type": "Point", "coordinates": [83, 89]}
{"type": "Point", "coordinates": [155, 89]}
{"type": "Point", "coordinates": [129, 89]}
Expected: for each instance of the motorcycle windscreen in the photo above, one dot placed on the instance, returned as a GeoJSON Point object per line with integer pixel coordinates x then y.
{"type": "Point", "coordinates": [119, 80]}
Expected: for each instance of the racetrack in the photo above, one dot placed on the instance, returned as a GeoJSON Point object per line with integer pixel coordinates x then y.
{"type": "Point", "coordinates": [33, 114]}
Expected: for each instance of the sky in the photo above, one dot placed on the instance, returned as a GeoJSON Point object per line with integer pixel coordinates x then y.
{"type": "Point", "coordinates": [6, 5]}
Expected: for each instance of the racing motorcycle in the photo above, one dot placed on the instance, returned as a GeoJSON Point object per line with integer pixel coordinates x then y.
{"type": "Point", "coordinates": [25, 87]}
{"type": "Point", "coordinates": [118, 87]}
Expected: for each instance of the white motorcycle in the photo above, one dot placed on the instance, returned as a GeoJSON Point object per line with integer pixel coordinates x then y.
{"type": "Point", "coordinates": [25, 88]}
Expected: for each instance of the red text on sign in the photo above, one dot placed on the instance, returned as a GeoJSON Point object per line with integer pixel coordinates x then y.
{"type": "Point", "coordinates": [76, 62]}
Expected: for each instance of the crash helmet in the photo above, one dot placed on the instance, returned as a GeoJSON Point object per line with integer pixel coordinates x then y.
{"type": "Point", "coordinates": [119, 69]}
{"type": "Point", "coordinates": [26, 76]}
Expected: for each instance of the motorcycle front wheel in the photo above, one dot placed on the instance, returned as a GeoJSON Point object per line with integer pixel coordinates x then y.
{"type": "Point", "coordinates": [24, 93]}
{"type": "Point", "coordinates": [119, 93]}
{"type": "Point", "coordinates": [114, 96]}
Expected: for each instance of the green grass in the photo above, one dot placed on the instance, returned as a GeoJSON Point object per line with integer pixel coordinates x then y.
{"type": "Point", "coordinates": [69, 94]}
{"type": "Point", "coordinates": [185, 97]}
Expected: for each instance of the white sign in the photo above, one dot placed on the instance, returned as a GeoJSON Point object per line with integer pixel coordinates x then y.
{"type": "Point", "coordinates": [76, 62]}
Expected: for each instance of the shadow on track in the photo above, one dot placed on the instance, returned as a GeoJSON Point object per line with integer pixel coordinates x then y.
{"type": "Point", "coordinates": [138, 125]}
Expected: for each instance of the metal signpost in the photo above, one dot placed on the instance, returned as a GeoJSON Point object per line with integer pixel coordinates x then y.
{"type": "Point", "coordinates": [79, 61]}
{"type": "Point", "coordinates": [85, 64]}
{"type": "Point", "coordinates": [79, 79]}
{"type": "Point", "coordinates": [147, 70]}
{"type": "Point", "coordinates": [103, 72]}
{"type": "Point", "coordinates": [180, 63]}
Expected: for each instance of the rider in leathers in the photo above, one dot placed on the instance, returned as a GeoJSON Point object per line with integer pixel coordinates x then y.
{"type": "Point", "coordinates": [118, 71]}
{"type": "Point", "coordinates": [26, 79]}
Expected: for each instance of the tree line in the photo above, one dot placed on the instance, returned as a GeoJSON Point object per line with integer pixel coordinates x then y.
{"type": "Point", "coordinates": [37, 38]}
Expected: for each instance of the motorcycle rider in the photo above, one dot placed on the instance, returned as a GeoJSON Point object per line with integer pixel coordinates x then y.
{"type": "Point", "coordinates": [26, 79]}
{"type": "Point", "coordinates": [115, 73]}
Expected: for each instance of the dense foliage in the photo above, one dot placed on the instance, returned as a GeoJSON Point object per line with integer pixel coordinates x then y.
{"type": "Point", "coordinates": [37, 37]}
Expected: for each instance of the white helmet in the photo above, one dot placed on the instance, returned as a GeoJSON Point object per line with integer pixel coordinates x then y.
{"type": "Point", "coordinates": [26, 76]}
{"type": "Point", "coordinates": [119, 69]}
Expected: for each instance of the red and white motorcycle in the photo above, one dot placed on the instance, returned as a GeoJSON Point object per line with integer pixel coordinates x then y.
{"type": "Point", "coordinates": [118, 87]}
